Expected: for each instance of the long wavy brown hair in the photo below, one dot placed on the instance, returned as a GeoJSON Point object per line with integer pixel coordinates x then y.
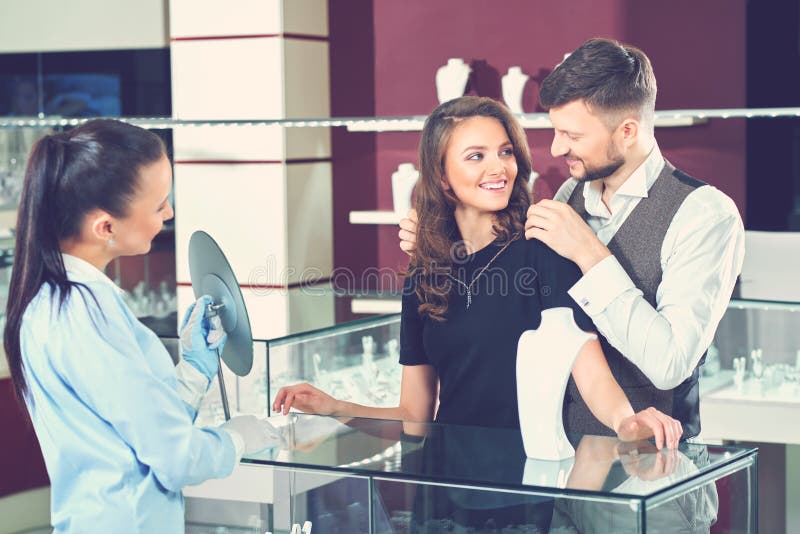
{"type": "Point", "coordinates": [439, 241]}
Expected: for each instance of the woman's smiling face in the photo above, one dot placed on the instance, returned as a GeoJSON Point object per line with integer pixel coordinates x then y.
{"type": "Point", "coordinates": [479, 165]}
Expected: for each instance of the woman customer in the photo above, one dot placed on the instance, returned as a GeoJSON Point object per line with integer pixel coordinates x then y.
{"type": "Point", "coordinates": [475, 284]}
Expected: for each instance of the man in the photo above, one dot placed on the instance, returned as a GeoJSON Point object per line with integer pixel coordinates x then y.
{"type": "Point", "coordinates": [659, 250]}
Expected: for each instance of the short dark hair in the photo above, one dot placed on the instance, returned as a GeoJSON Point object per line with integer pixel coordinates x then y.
{"type": "Point", "coordinates": [608, 76]}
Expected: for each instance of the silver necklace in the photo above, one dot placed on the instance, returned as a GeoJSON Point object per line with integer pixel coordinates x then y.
{"type": "Point", "coordinates": [475, 278]}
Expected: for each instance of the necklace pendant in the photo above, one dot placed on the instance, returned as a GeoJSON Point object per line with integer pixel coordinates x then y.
{"type": "Point", "coordinates": [469, 298]}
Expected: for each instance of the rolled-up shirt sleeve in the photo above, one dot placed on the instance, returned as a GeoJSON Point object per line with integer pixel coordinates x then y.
{"type": "Point", "coordinates": [702, 256]}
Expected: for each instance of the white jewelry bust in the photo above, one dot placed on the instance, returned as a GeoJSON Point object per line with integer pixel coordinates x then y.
{"type": "Point", "coordinates": [544, 362]}
{"type": "Point", "coordinates": [403, 181]}
{"type": "Point", "coordinates": [513, 84]}
{"type": "Point", "coordinates": [451, 79]}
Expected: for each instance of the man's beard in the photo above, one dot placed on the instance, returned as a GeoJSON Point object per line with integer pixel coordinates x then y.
{"type": "Point", "coordinates": [603, 172]}
{"type": "Point", "coordinates": [616, 159]}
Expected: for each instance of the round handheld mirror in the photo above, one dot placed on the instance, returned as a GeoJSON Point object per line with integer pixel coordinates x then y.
{"type": "Point", "coordinates": [212, 275]}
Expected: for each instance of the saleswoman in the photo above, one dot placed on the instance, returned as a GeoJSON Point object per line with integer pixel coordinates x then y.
{"type": "Point", "coordinates": [112, 414]}
{"type": "Point", "coordinates": [476, 285]}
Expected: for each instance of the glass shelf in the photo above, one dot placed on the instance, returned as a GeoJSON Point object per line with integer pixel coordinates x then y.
{"type": "Point", "coordinates": [375, 217]}
{"type": "Point", "coordinates": [664, 118]}
{"type": "Point", "coordinates": [763, 305]}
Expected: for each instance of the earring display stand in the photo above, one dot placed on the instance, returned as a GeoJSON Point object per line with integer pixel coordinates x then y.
{"type": "Point", "coordinates": [212, 275]}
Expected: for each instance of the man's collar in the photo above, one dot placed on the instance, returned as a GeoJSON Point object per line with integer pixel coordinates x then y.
{"type": "Point", "coordinates": [637, 185]}
{"type": "Point", "coordinates": [644, 176]}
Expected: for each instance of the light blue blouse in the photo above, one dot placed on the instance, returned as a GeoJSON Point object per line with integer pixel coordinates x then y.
{"type": "Point", "coordinates": [117, 438]}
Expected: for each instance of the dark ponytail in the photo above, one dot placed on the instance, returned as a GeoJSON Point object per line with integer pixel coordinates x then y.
{"type": "Point", "coordinates": [94, 166]}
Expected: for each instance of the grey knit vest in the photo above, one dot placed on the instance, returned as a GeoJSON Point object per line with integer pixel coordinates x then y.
{"type": "Point", "coordinates": [637, 247]}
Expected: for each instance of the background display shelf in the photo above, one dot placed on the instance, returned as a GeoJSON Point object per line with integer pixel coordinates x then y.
{"type": "Point", "coordinates": [664, 118]}
{"type": "Point", "coordinates": [375, 217]}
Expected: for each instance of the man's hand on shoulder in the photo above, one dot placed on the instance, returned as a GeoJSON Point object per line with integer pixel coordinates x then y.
{"type": "Point", "coordinates": [559, 227]}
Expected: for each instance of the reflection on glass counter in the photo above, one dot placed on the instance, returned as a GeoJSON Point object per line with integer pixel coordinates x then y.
{"type": "Point", "coordinates": [370, 475]}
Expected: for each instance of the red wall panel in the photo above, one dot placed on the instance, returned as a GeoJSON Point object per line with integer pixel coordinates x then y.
{"type": "Point", "coordinates": [21, 462]}
{"type": "Point", "coordinates": [697, 49]}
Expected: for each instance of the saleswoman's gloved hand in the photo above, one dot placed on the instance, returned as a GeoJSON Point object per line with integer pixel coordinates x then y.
{"type": "Point", "coordinates": [252, 434]}
{"type": "Point", "coordinates": [201, 337]}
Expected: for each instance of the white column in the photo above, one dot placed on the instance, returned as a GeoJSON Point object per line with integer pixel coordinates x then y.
{"type": "Point", "coordinates": [263, 192]}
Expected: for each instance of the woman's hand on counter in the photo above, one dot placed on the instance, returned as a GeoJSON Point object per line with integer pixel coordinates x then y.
{"type": "Point", "coordinates": [305, 398]}
{"type": "Point", "coordinates": [651, 422]}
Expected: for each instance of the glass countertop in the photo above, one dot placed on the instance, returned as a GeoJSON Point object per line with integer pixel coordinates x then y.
{"type": "Point", "coordinates": [472, 456]}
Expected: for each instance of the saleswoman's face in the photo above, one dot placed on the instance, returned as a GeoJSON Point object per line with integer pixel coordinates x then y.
{"type": "Point", "coordinates": [480, 166]}
{"type": "Point", "coordinates": [148, 210]}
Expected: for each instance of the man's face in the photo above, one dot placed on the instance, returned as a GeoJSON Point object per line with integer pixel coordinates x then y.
{"type": "Point", "coordinates": [585, 141]}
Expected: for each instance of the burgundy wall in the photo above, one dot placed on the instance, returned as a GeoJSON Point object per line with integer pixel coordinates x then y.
{"type": "Point", "coordinates": [21, 463]}
{"type": "Point", "coordinates": [697, 48]}
{"type": "Point", "coordinates": [352, 67]}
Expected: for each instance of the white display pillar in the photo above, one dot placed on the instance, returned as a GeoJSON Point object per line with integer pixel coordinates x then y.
{"type": "Point", "coordinates": [263, 192]}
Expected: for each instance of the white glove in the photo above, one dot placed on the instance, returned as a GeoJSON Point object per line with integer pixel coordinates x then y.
{"type": "Point", "coordinates": [253, 434]}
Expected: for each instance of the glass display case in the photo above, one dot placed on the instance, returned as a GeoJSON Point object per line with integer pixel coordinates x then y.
{"type": "Point", "coordinates": [6, 257]}
{"type": "Point", "coordinates": [383, 476]}
{"type": "Point", "coordinates": [379, 476]}
{"type": "Point", "coordinates": [148, 280]}
{"type": "Point", "coordinates": [751, 377]}
{"type": "Point", "coordinates": [15, 145]}
{"type": "Point", "coordinates": [356, 361]}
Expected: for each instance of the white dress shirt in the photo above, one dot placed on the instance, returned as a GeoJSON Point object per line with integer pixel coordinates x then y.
{"type": "Point", "coordinates": [701, 257]}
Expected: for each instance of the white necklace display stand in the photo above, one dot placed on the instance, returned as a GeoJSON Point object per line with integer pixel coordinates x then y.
{"type": "Point", "coordinates": [547, 473]}
{"type": "Point", "coordinates": [544, 363]}
{"type": "Point", "coordinates": [451, 79]}
{"type": "Point", "coordinates": [513, 84]}
{"type": "Point", "coordinates": [403, 181]}
{"type": "Point", "coordinates": [532, 180]}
